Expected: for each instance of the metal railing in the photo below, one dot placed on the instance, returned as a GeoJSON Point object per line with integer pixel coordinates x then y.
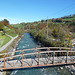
{"type": "Point", "coordinates": [44, 56]}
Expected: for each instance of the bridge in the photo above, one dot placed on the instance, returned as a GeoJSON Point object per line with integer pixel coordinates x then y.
{"type": "Point", "coordinates": [37, 57]}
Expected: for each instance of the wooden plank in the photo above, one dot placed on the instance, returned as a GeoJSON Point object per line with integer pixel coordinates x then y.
{"type": "Point", "coordinates": [4, 62]}
{"type": "Point", "coordinates": [38, 57]}
{"type": "Point", "coordinates": [36, 66]}
{"type": "Point", "coordinates": [67, 57]}
{"type": "Point", "coordinates": [53, 57]}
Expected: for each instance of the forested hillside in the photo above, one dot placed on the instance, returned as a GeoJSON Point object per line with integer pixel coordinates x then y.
{"type": "Point", "coordinates": [52, 32]}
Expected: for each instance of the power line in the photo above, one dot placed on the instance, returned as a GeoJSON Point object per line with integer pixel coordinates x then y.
{"type": "Point", "coordinates": [65, 9]}
{"type": "Point", "coordinates": [47, 26]}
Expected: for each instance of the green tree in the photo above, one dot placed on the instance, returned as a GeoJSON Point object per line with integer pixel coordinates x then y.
{"type": "Point", "coordinates": [55, 32]}
{"type": "Point", "coordinates": [5, 22]}
{"type": "Point", "coordinates": [1, 26]}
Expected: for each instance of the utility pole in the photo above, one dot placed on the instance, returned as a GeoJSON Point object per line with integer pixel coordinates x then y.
{"type": "Point", "coordinates": [47, 26]}
{"type": "Point", "coordinates": [29, 27]}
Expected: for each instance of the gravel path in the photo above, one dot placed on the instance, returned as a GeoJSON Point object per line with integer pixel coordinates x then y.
{"type": "Point", "coordinates": [6, 45]}
{"type": "Point", "coordinates": [9, 35]}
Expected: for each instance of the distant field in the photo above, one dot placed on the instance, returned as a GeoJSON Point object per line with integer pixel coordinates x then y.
{"type": "Point", "coordinates": [35, 24]}
{"type": "Point", "coordinates": [6, 29]}
{"type": "Point", "coordinates": [4, 39]}
{"type": "Point", "coordinates": [68, 19]}
{"type": "Point", "coordinates": [19, 26]}
{"type": "Point", "coordinates": [10, 32]}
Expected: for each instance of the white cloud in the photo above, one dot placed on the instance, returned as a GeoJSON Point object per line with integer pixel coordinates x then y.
{"type": "Point", "coordinates": [13, 20]}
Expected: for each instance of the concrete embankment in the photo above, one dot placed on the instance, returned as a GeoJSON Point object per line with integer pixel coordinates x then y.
{"type": "Point", "coordinates": [2, 73]}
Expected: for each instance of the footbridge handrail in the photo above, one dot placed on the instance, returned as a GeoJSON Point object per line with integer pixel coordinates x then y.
{"type": "Point", "coordinates": [37, 49]}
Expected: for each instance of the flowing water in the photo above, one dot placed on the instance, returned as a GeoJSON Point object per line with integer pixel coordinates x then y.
{"type": "Point", "coordinates": [28, 42]}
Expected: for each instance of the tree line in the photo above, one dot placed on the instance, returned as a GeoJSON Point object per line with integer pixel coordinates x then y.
{"type": "Point", "coordinates": [3, 23]}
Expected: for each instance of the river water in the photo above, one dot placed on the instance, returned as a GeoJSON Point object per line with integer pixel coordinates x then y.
{"type": "Point", "coordinates": [28, 42]}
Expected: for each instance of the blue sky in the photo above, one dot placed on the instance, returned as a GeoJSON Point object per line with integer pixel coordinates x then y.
{"type": "Point", "coordinates": [17, 11]}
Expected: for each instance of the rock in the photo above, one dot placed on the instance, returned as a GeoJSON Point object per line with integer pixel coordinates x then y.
{"type": "Point", "coordinates": [71, 72]}
{"type": "Point", "coordinates": [61, 68]}
{"type": "Point", "coordinates": [58, 68]}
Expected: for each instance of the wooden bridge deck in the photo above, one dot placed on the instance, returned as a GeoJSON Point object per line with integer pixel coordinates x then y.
{"type": "Point", "coordinates": [46, 57]}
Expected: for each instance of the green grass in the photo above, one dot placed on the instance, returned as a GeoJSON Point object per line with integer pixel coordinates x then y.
{"type": "Point", "coordinates": [11, 33]}
{"type": "Point", "coordinates": [73, 34]}
{"type": "Point", "coordinates": [4, 51]}
{"type": "Point", "coordinates": [1, 33]}
{"type": "Point", "coordinates": [68, 19]}
{"type": "Point", "coordinates": [4, 39]}
{"type": "Point", "coordinates": [6, 28]}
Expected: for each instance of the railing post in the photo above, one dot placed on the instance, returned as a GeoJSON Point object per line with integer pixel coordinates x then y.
{"type": "Point", "coordinates": [38, 57]}
{"type": "Point", "coordinates": [48, 48]}
{"type": "Point", "coordinates": [70, 48]}
{"type": "Point", "coordinates": [36, 49]}
{"type": "Point", "coordinates": [7, 56]}
{"type": "Point", "coordinates": [67, 57]}
{"type": "Point", "coordinates": [22, 58]}
{"type": "Point", "coordinates": [60, 48]}
{"type": "Point", "coordinates": [53, 57]}
{"type": "Point", "coordinates": [4, 62]}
